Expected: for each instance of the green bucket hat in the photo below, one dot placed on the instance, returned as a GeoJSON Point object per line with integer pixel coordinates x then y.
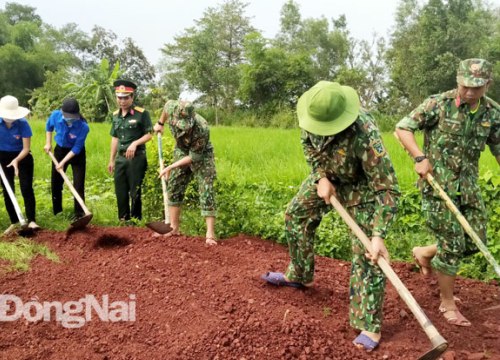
{"type": "Point", "coordinates": [474, 72]}
{"type": "Point", "coordinates": [328, 108]}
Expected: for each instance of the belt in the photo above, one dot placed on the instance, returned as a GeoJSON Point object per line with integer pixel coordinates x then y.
{"type": "Point", "coordinates": [137, 152]}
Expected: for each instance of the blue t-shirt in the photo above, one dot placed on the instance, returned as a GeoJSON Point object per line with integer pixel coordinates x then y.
{"type": "Point", "coordinates": [68, 135]}
{"type": "Point", "coordinates": [12, 139]}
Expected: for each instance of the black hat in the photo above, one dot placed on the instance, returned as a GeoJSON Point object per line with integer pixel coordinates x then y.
{"type": "Point", "coordinates": [124, 87]}
{"type": "Point", "coordinates": [70, 108]}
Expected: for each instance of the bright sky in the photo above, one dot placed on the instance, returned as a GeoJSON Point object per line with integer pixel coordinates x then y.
{"type": "Point", "coordinates": [152, 23]}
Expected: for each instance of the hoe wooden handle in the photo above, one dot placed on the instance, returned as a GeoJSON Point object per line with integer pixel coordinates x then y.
{"type": "Point", "coordinates": [13, 199]}
{"type": "Point", "coordinates": [465, 224]}
{"type": "Point", "coordinates": [163, 182]}
{"type": "Point", "coordinates": [70, 185]}
{"type": "Point", "coordinates": [436, 339]}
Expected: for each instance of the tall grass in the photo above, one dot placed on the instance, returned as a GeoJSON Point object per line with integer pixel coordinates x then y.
{"type": "Point", "coordinates": [256, 155]}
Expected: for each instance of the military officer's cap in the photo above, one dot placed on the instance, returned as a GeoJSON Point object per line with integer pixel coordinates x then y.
{"type": "Point", "coordinates": [124, 88]}
{"type": "Point", "coordinates": [474, 72]}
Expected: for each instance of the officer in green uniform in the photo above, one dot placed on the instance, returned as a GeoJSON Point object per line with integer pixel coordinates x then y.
{"type": "Point", "coordinates": [130, 131]}
{"type": "Point", "coordinates": [193, 157]}
{"type": "Point", "coordinates": [343, 146]}
{"type": "Point", "coordinates": [457, 125]}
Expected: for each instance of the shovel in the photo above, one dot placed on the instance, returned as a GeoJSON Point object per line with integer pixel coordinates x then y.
{"type": "Point", "coordinates": [439, 344]}
{"type": "Point", "coordinates": [161, 227]}
{"type": "Point", "coordinates": [84, 220]}
{"type": "Point", "coordinates": [25, 230]}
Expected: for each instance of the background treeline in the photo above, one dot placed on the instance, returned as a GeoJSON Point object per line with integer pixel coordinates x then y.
{"type": "Point", "coordinates": [241, 76]}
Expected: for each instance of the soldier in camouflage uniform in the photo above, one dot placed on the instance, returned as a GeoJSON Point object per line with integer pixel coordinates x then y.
{"type": "Point", "coordinates": [130, 131]}
{"type": "Point", "coordinates": [193, 156]}
{"type": "Point", "coordinates": [343, 146]}
{"type": "Point", "coordinates": [457, 125]}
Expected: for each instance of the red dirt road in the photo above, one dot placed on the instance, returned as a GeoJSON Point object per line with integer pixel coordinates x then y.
{"type": "Point", "coordinates": [198, 302]}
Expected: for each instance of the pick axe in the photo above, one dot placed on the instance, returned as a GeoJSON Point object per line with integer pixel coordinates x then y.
{"type": "Point", "coordinates": [25, 230]}
{"type": "Point", "coordinates": [83, 221]}
{"type": "Point", "coordinates": [439, 344]}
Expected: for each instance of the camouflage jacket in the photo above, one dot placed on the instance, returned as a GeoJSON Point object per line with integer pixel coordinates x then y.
{"type": "Point", "coordinates": [453, 141]}
{"type": "Point", "coordinates": [357, 164]}
{"type": "Point", "coordinates": [192, 136]}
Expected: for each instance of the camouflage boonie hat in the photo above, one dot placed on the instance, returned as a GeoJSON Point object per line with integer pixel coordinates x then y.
{"type": "Point", "coordinates": [474, 72]}
{"type": "Point", "coordinates": [170, 107]}
{"type": "Point", "coordinates": [180, 113]}
{"type": "Point", "coordinates": [185, 109]}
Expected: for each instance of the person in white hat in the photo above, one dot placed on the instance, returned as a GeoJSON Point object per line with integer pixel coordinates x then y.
{"type": "Point", "coordinates": [16, 158]}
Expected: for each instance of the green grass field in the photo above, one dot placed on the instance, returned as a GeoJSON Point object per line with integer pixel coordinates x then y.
{"type": "Point", "coordinates": [267, 164]}
{"type": "Point", "coordinates": [243, 155]}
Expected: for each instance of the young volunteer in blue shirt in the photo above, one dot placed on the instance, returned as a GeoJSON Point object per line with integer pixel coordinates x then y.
{"type": "Point", "coordinates": [16, 158]}
{"type": "Point", "coordinates": [71, 132]}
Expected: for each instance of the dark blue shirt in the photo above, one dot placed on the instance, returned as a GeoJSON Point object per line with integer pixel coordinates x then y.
{"type": "Point", "coordinates": [12, 139]}
{"type": "Point", "coordinates": [68, 135]}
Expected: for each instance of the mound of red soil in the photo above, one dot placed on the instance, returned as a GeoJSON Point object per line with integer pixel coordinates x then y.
{"type": "Point", "coordinates": [193, 301]}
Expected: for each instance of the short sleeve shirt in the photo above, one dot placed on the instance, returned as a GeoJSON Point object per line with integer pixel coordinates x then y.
{"type": "Point", "coordinates": [131, 127]}
{"type": "Point", "coordinates": [11, 139]}
{"type": "Point", "coordinates": [454, 137]}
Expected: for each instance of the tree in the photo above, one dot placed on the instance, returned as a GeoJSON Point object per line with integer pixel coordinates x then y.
{"type": "Point", "coordinates": [26, 54]}
{"type": "Point", "coordinates": [429, 41]}
{"type": "Point", "coordinates": [208, 55]}
{"type": "Point", "coordinates": [19, 71]}
{"type": "Point", "coordinates": [16, 13]}
{"type": "Point", "coordinates": [49, 97]}
{"type": "Point", "coordinates": [94, 89]}
{"type": "Point", "coordinates": [290, 25]}
{"type": "Point", "coordinates": [104, 44]}
{"type": "Point", "coordinates": [327, 43]}
{"type": "Point", "coordinates": [134, 64]}
{"type": "Point", "coordinates": [365, 71]}
{"type": "Point", "coordinates": [272, 77]}
{"type": "Point", "coordinates": [492, 53]}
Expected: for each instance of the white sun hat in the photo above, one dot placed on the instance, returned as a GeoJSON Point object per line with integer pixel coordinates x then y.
{"type": "Point", "coordinates": [10, 109]}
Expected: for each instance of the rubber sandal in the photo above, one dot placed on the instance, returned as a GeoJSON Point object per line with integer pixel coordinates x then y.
{"type": "Point", "coordinates": [367, 343]}
{"type": "Point", "coordinates": [278, 279]}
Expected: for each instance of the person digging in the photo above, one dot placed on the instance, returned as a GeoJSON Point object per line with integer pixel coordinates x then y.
{"type": "Point", "coordinates": [457, 125]}
{"type": "Point", "coordinates": [348, 160]}
{"type": "Point", "coordinates": [193, 157]}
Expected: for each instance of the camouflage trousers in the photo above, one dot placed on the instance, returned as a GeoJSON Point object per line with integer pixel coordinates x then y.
{"type": "Point", "coordinates": [452, 242]}
{"type": "Point", "coordinates": [204, 173]}
{"type": "Point", "coordinates": [367, 283]}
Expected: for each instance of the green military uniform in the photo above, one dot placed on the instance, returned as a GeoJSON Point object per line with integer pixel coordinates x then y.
{"type": "Point", "coordinates": [192, 137]}
{"type": "Point", "coordinates": [129, 173]}
{"type": "Point", "coordinates": [356, 163]}
{"type": "Point", "coordinates": [454, 137]}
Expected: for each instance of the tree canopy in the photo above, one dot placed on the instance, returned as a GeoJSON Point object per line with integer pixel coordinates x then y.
{"type": "Point", "coordinates": [231, 66]}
